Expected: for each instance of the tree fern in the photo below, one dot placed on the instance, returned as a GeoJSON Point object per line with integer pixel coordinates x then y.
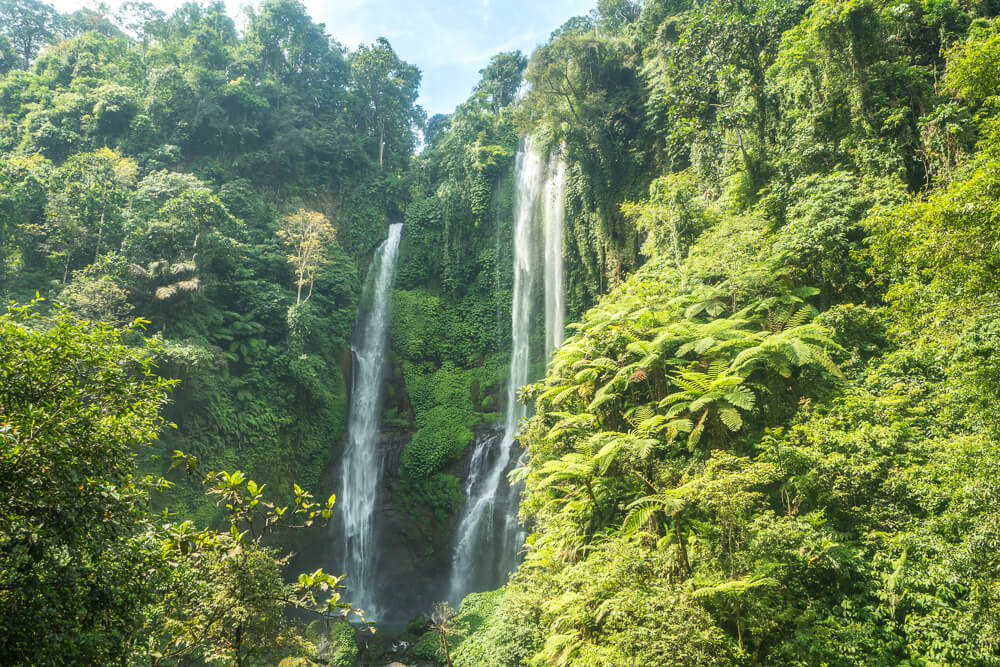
{"type": "Point", "coordinates": [718, 394]}
{"type": "Point", "coordinates": [788, 349]}
{"type": "Point", "coordinates": [641, 510]}
{"type": "Point", "coordinates": [735, 587]}
{"type": "Point", "coordinates": [731, 418]}
{"type": "Point", "coordinates": [565, 394]}
{"type": "Point", "coordinates": [695, 435]}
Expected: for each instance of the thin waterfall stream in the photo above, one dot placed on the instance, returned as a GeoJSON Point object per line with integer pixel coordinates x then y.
{"type": "Point", "coordinates": [553, 217]}
{"type": "Point", "coordinates": [488, 538]}
{"type": "Point", "coordinates": [361, 468]}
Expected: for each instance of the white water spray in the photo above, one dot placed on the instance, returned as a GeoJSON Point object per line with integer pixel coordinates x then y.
{"type": "Point", "coordinates": [361, 469]}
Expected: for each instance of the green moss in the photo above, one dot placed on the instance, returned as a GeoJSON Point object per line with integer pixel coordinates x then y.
{"type": "Point", "coordinates": [442, 440]}
{"type": "Point", "coordinates": [432, 500]}
{"type": "Point", "coordinates": [428, 647]}
{"type": "Point", "coordinates": [452, 387]}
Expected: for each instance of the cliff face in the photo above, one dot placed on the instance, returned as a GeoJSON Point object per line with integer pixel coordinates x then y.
{"type": "Point", "coordinates": [413, 560]}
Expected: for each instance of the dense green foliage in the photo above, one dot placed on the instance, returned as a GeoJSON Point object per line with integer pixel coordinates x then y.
{"type": "Point", "coordinates": [149, 170]}
{"type": "Point", "coordinates": [773, 443]}
{"type": "Point", "coordinates": [771, 437]}
{"type": "Point", "coordinates": [89, 574]}
{"type": "Point", "coordinates": [74, 546]}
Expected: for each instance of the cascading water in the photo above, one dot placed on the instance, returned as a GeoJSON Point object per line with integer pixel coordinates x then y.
{"type": "Point", "coordinates": [553, 215]}
{"type": "Point", "coordinates": [361, 468]}
{"type": "Point", "coordinates": [483, 524]}
{"type": "Point", "coordinates": [487, 540]}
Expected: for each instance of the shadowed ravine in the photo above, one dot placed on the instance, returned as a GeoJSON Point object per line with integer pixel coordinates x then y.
{"type": "Point", "coordinates": [372, 542]}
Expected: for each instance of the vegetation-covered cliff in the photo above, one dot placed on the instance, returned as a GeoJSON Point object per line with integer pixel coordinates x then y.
{"type": "Point", "coordinates": [147, 172]}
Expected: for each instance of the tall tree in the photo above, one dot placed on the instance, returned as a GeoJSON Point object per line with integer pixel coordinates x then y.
{"type": "Point", "coordinates": [8, 56]}
{"type": "Point", "coordinates": [501, 79]}
{"type": "Point", "coordinates": [613, 15]}
{"type": "Point", "coordinates": [86, 204]}
{"type": "Point", "coordinates": [76, 562]}
{"type": "Point", "coordinates": [307, 235]}
{"type": "Point", "coordinates": [387, 88]}
{"type": "Point", "coordinates": [28, 24]}
{"type": "Point", "coordinates": [141, 20]}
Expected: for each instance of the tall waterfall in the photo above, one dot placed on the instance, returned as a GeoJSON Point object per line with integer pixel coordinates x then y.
{"type": "Point", "coordinates": [487, 540]}
{"type": "Point", "coordinates": [361, 469]}
{"type": "Point", "coordinates": [553, 215]}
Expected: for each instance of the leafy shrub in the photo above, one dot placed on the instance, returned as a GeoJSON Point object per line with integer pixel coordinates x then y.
{"type": "Point", "coordinates": [345, 648]}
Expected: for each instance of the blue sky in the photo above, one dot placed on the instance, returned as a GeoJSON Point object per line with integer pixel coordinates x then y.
{"type": "Point", "coordinates": [449, 41]}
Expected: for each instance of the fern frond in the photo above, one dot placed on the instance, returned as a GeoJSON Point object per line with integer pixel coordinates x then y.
{"type": "Point", "coordinates": [703, 402]}
{"type": "Point", "coordinates": [704, 344]}
{"type": "Point", "coordinates": [735, 587]}
{"type": "Point", "coordinates": [640, 348]}
{"type": "Point", "coordinates": [518, 474]}
{"type": "Point", "coordinates": [607, 456]}
{"type": "Point", "coordinates": [674, 409]}
{"type": "Point", "coordinates": [561, 397]}
{"type": "Point", "coordinates": [677, 426]}
{"type": "Point", "coordinates": [638, 518]}
{"type": "Point", "coordinates": [603, 395]}
{"type": "Point", "coordinates": [731, 418]}
{"type": "Point", "coordinates": [741, 397]}
{"type": "Point", "coordinates": [804, 292]}
{"type": "Point", "coordinates": [801, 316]}
{"type": "Point", "coordinates": [554, 391]}
{"type": "Point", "coordinates": [691, 381]}
{"type": "Point", "coordinates": [603, 363]}
{"type": "Point", "coordinates": [716, 368]}
{"type": "Point", "coordinates": [695, 435]}
{"type": "Point", "coordinates": [639, 414]}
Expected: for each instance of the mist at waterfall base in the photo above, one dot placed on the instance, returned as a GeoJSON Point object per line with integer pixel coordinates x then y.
{"type": "Point", "coordinates": [369, 540]}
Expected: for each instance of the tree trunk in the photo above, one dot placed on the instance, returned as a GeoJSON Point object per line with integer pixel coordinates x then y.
{"type": "Point", "coordinates": [447, 650]}
{"type": "Point", "coordinates": [681, 544]}
{"type": "Point", "coordinates": [100, 237]}
{"type": "Point", "coordinates": [381, 143]}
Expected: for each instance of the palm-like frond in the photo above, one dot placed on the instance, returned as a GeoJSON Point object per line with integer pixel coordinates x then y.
{"type": "Point", "coordinates": [741, 397]}
{"type": "Point", "coordinates": [571, 424]}
{"type": "Point", "coordinates": [695, 435]}
{"type": "Point", "coordinates": [735, 587]}
{"type": "Point", "coordinates": [643, 509]}
{"type": "Point", "coordinates": [787, 349]}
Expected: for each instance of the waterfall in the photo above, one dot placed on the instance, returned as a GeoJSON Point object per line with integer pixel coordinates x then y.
{"type": "Point", "coordinates": [553, 215]}
{"type": "Point", "coordinates": [487, 540]}
{"type": "Point", "coordinates": [483, 526]}
{"type": "Point", "coordinates": [361, 469]}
